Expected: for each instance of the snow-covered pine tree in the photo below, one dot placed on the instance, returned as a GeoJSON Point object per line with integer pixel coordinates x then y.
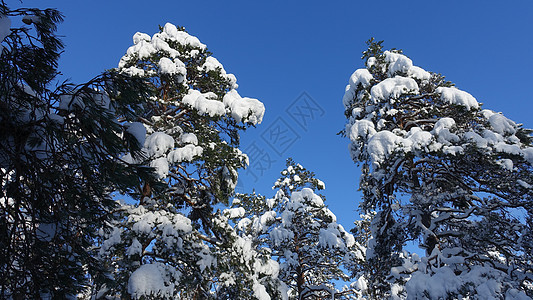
{"type": "Point", "coordinates": [60, 146]}
{"type": "Point", "coordinates": [437, 168]}
{"type": "Point", "coordinates": [190, 131]}
{"type": "Point", "coordinates": [301, 233]}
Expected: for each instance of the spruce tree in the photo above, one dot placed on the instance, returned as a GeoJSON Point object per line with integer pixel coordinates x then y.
{"type": "Point", "coordinates": [172, 228]}
{"type": "Point", "coordinates": [301, 233]}
{"type": "Point", "coordinates": [60, 148]}
{"type": "Point", "coordinates": [441, 172]}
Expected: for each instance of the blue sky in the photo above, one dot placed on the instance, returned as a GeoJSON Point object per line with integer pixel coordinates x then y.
{"type": "Point", "coordinates": [279, 50]}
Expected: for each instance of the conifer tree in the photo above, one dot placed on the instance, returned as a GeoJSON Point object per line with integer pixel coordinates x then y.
{"type": "Point", "coordinates": [59, 159]}
{"type": "Point", "coordinates": [190, 132]}
{"type": "Point", "coordinates": [301, 233]}
{"type": "Point", "coordinates": [439, 169]}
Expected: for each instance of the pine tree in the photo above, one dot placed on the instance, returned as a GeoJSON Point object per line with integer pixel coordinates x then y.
{"type": "Point", "coordinates": [190, 131]}
{"type": "Point", "coordinates": [59, 159]}
{"type": "Point", "coordinates": [301, 233]}
{"type": "Point", "coordinates": [439, 169]}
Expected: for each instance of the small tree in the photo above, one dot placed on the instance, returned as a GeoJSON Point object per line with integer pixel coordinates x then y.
{"type": "Point", "coordinates": [439, 169]}
{"type": "Point", "coordinates": [190, 131]}
{"type": "Point", "coordinates": [301, 233]}
{"type": "Point", "coordinates": [59, 160]}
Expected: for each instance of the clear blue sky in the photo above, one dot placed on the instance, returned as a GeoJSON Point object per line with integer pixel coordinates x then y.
{"type": "Point", "coordinates": [278, 50]}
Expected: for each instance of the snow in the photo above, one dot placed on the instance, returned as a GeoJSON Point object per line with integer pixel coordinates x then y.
{"type": "Point", "coordinates": [161, 166]}
{"type": "Point", "coordinates": [418, 73]}
{"type": "Point", "coordinates": [185, 153]}
{"type": "Point", "coordinates": [173, 67]}
{"type": "Point", "coordinates": [509, 149]}
{"type": "Point", "coordinates": [182, 37]}
{"type": "Point", "coordinates": [514, 294]}
{"type": "Point", "coordinates": [139, 36]}
{"type": "Point", "coordinates": [143, 49]}
{"type": "Point", "coordinates": [442, 131]}
{"type": "Point", "coordinates": [481, 282]}
{"type": "Point", "coordinates": [145, 46]}
{"type": "Point", "coordinates": [143, 224]}
{"type": "Point", "coordinates": [243, 223]}
{"type": "Point", "coordinates": [160, 45]}
{"type": "Point", "coordinates": [455, 96]}
{"type": "Point", "coordinates": [58, 119]}
{"type": "Point", "coordinates": [189, 138]}
{"type": "Point", "coordinates": [233, 213]}
{"type": "Point", "coordinates": [244, 109]}
{"type": "Point", "coordinates": [320, 184]}
{"type": "Point", "coordinates": [477, 139]}
{"type": "Point", "coordinates": [420, 139]}
{"type": "Point", "coordinates": [524, 184]}
{"type": "Point", "coordinates": [5, 29]}
{"type": "Point", "coordinates": [360, 76]}
{"type": "Point", "coordinates": [361, 129]}
{"type": "Point", "coordinates": [227, 279]}
{"type": "Point", "coordinates": [204, 103]}
{"type": "Point", "coordinates": [452, 150]}
{"type": "Point", "coordinates": [138, 131]}
{"type": "Point", "coordinates": [145, 221]}
{"type": "Point", "coordinates": [291, 170]}
{"type": "Point", "coordinates": [271, 202]}
{"type": "Point", "coordinates": [212, 64]}
{"type": "Point", "coordinates": [158, 143]}
{"type": "Point", "coordinates": [499, 123]}
{"type": "Point", "coordinates": [307, 194]}
{"type": "Point", "coordinates": [135, 248]}
{"type": "Point", "coordinates": [528, 155]}
{"type": "Point", "coordinates": [444, 136]}
{"type": "Point", "coordinates": [398, 63]}
{"type": "Point", "coordinates": [102, 99]}
{"type": "Point", "coordinates": [260, 291]}
{"type": "Point", "coordinates": [360, 284]}
{"type": "Point", "coordinates": [271, 267]}
{"type": "Point", "coordinates": [492, 137]}
{"type": "Point", "coordinates": [393, 88]}
{"type": "Point", "coordinates": [133, 71]}
{"type": "Point", "coordinates": [382, 144]}
{"type": "Point", "coordinates": [379, 132]}
{"type": "Point", "coordinates": [267, 217]}
{"type": "Point", "coordinates": [301, 231]}
{"type": "Point", "coordinates": [330, 237]}
{"type": "Point", "coordinates": [70, 102]}
{"type": "Point", "coordinates": [371, 61]}
{"type": "Point", "coordinates": [350, 239]}
{"type": "Point", "coordinates": [206, 261]}
{"type": "Point", "coordinates": [280, 235]}
{"type": "Point", "coordinates": [151, 280]}
{"type": "Point", "coordinates": [437, 286]}
{"type": "Point", "coordinates": [111, 240]}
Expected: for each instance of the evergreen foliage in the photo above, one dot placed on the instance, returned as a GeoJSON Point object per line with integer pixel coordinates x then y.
{"type": "Point", "coordinates": [439, 169]}
{"type": "Point", "coordinates": [189, 129]}
{"type": "Point", "coordinates": [59, 160]}
{"type": "Point", "coordinates": [120, 187]}
{"type": "Point", "coordinates": [301, 233]}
